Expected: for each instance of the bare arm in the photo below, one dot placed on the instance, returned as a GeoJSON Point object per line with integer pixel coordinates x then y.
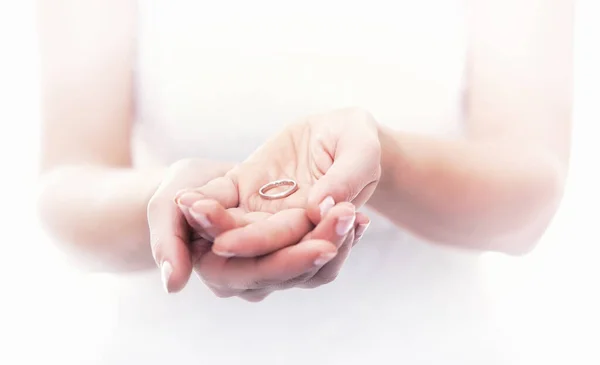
{"type": "Point", "coordinates": [499, 188]}
{"type": "Point", "coordinates": [91, 200]}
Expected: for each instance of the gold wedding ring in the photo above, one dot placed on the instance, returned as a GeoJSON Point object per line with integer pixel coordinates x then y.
{"type": "Point", "coordinates": [292, 187]}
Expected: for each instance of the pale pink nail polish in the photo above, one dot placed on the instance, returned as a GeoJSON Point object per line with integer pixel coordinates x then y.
{"type": "Point", "coordinates": [344, 225]}
{"type": "Point", "coordinates": [326, 205]}
{"type": "Point", "coordinates": [324, 258]}
{"type": "Point", "coordinates": [165, 272]}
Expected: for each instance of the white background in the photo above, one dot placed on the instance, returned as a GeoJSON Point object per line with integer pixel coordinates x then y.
{"type": "Point", "coordinates": [550, 297]}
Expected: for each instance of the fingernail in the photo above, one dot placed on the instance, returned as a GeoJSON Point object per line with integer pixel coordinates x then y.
{"type": "Point", "coordinates": [361, 229]}
{"type": "Point", "coordinates": [187, 199]}
{"type": "Point", "coordinates": [225, 254]}
{"type": "Point", "coordinates": [326, 205]}
{"type": "Point", "coordinates": [325, 258]}
{"type": "Point", "coordinates": [344, 225]}
{"type": "Point", "coordinates": [165, 272]}
{"type": "Point", "coordinates": [201, 218]}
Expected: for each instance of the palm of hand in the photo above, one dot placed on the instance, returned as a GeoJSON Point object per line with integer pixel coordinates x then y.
{"type": "Point", "coordinates": [262, 233]}
{"type": "Point", "coordinates": [305, 152]}
{"type": "Point", "coordinates": [294, 154]}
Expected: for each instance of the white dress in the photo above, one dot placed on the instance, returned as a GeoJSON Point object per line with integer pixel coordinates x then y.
{"type": "Point", "coordinates": [215, 79]}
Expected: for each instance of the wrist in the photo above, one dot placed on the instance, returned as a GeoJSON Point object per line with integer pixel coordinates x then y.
{"type": "Point", "coordinates": [392, 158]}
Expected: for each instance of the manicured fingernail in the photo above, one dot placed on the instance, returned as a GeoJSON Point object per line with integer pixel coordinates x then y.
{"type": "Point", "coordinates": [201, 218]}
{"type": "Point", "coordinates": [344, 225]}
{"type": "Point", "coordinates": [324, 258]}
{"type": "Point", "coordinates": [326, 205]}
{"type": "Point", "coordinates": [165, 272]}
{"type": "Point", "coordinates": [361, 229]}
{"type": "Point", "coordinates": [187, 199]}
{"type": "Point", "coordinates": [225, 254]}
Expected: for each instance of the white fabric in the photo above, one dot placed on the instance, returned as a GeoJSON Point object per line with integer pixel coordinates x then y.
{"type": "Point", "coordinates": [215, 80]}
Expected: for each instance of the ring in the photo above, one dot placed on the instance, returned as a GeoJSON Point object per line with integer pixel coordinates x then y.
{"type": "Point", "coordinates": [277, 183]}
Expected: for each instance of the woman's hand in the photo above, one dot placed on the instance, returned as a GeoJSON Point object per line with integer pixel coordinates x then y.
{"type": "Point", "coordinates": [300, 256]}
{"type": "Point", "coordinates": [176, 246]}
{"type": "Point", "coordinates": [170, 235]}
{"type": "Point", "coordinates": [333, 157]}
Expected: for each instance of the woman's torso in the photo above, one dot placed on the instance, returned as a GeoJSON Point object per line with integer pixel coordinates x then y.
{"type": "Point", "coordinates": [215, 80]}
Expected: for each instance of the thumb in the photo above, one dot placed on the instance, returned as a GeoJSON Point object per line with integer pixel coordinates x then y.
{"type": "Point", "coordinates": [352, 177]}
{"type": "Point", "coordinates": [169, 243]}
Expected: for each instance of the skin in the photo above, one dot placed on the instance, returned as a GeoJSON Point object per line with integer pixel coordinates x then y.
{"type": "Point", "coordinates": [306, 253]}
{"type": "Point", "coordinates": [496, 189]}
{"type": "Point", "coordinates": [317, 153]}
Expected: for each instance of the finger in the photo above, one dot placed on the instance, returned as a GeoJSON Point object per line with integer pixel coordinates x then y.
{"type": "Point", "coordinates": [352, 177]}
{"type": "Point", "coordinates": [168, 241]}
{"type": "Point", "coordinates": [336, 225]}
{"type": "Point", "coordinates": [330, 271]}
{"type": "Point", "coordinates": [196, 229]}
{"type": "Point", "coordinates": [362, 223]}
{"type": "Point", "coordinates": [322, 274]}
{"type": "Point", "coordinates": [270, 270]}
{"type": "Point", "coordinates": [334, 228]}
{"type": "Point", "coordinates": [280, 230]}
{"type": "Point", "coordinates": [210, 218]}
{"type": "Point", "coordinates": [221, 189]}
{"type": "Point", "coordinates": [207, 262]}
{"type": "Point", "coordinates": [201, 224]}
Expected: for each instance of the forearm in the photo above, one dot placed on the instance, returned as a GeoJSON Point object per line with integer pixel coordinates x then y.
{"type": "Point", "coordinates": [98, 214]}
{"type": "Point", "coordinates": [482, 195]}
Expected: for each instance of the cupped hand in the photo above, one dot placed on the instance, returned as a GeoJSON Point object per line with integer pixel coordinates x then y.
{"type": "Point", "coordinates": [333, 157]}
{"type": "Point", "coordinates": [170, 235]}
{"type": "Point", "coordinates": [176, 246]}
{"type": "Point", "coordinates": [298, 256]}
